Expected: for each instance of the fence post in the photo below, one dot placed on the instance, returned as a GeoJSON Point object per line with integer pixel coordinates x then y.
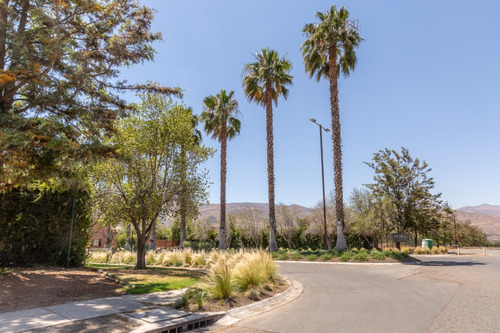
{"type": "Point", "coordinates": [71, 232]}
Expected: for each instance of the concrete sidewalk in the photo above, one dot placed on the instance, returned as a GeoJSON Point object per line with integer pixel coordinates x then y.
{"type": "Point", "coordinates": [148, 312]}
{"type": "Point", "coordinates": [143, 309]}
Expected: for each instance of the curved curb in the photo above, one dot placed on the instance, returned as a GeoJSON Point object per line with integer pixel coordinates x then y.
{"type": "Point", "coordinates": [348, 263]}
{"type": "Point", "coordinates": [235, 315]}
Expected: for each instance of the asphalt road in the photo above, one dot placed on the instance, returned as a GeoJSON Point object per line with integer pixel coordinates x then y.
{"type": "Point", "coordinates": [445, 294]}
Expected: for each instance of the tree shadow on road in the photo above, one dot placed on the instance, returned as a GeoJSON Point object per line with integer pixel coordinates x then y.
{"type": "Point", "coordinates": [451, 263]}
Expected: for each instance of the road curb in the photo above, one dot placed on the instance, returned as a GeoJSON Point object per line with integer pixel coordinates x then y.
{"type": "Point", "coordinates": [235, 315]}
{"type": "Point", "coordinates": [347, 263]}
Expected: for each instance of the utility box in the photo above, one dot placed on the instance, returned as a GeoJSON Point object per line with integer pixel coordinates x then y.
{"type": "Point", "coordinates": [427, 242]}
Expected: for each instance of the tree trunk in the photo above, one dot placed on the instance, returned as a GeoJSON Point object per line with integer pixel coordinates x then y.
{"type": "Point", "coordinates": [273, 246]}
{"type": "Point", "coordinates": [183, 200]}
{"type": "Point", "coordinates": [128, 247]}
{"type": "Point", "coordinates": [152, 238]}
{"type": "Point", "coordinates": [107, 245]}
{"type": "Point", "coordinates": [337, 150]}
{"type": "Point", "coordinates": [223, 172]}
{"type": "Point", "coordinates": [141, 251]}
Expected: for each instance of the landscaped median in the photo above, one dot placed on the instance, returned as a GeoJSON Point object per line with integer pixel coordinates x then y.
{"type": "Point", "coordinates": [352, 255]}
{"type": "Point", "coordinates": [216, 281]}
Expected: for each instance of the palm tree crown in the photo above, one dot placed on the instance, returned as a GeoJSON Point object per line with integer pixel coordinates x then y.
{"type": "Point", "coordinates": [269, 74]}
{"type": "Point", "coordinates": [218, 115]}
{"type": "Point", "coordinates": [266, 79]}
{"type": "Point", "coordinates": [220, 121]}
{"type": "Point", "coordinates": [334, 32]}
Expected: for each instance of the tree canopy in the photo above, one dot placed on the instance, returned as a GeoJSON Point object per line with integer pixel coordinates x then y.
{"type": "Point", "coordinates": [59, 79]}
{"type": "Point", "coordinates": [404, 182]}
{"type": "Point", "coordinates": [147, 180]}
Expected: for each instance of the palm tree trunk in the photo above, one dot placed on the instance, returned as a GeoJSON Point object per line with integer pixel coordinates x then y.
{"type": "Point", "coordinates": [223, 172]}
{"type": "Point", "coordinates": [183, 204]}
{"type": "Point", "coordinates": [273, 246]}
{"type": "Point", "coordinates": [337, 150]}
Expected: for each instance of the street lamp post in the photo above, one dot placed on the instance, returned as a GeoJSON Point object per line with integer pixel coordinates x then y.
{"type": "Point", "coordinates": [327, 242]}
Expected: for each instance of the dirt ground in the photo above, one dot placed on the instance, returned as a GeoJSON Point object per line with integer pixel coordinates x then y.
{"type": "Point", "coordinates": [28, 288]}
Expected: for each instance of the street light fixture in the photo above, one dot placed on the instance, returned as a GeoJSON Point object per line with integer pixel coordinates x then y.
{"type": "Point", "coordinates": [327, 243]}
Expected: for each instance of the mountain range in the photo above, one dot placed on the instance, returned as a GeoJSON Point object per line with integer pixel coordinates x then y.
{"type": "Point", "coordinates": [485, 216]}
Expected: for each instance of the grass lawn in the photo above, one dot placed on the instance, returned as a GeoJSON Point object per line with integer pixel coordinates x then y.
{"type": "Point", "coordinates": [152, 279]}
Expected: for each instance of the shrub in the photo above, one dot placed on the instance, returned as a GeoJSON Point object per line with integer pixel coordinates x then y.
{"type": "Point", "coordinates": [346, 256]}
{"type": "Point", "coordinates": [296, 256]}
{"type": "Point", "coordinates": [361, 256]}
{"type": "Point", "coordinates": [252, 293]}
{"type": "Point", "coordinates": [283, 256]}
{"type": "Point", "coordinates": [405, 249]}
{"type": "Point", "coordinates": [326, 257]}
{"type": "Point", "coordinates": [312, 257]}
{"type": "Point", "coordinates": [378, 255]}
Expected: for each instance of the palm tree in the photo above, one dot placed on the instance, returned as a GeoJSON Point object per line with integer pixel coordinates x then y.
{"type": "Point", "coordinates": [327, 51]}
{"type": "Point", "coordinates": [266, 79]}
{"type": "Point", "coordinates": [183, 202]}
{"type": "Point", "coordinates": [220, 121]}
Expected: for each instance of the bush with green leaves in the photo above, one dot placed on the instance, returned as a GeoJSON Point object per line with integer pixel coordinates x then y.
{"type": "Point", "coordinates": [346, 256]}
{"type": "Point", "coordinates": [361, 256]}
{"type": "Point", "coordinates": [312, 257]}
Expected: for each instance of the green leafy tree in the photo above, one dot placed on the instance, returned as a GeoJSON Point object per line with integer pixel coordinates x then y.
{"type": "Point", "coordinates": [220, 121]}
{"type": "Point", "coordinates": [370, 217]}
{"type": "Point", "coordinates": [403, 181]}
{"type": "Point", "coordinates": [265, 81]}
{"type": "Point", "coordinates": [59, 88]}
{"type": "Point", "coordinates": [328, 51]}
{"type": "Point", "coordinates": [145, 182]}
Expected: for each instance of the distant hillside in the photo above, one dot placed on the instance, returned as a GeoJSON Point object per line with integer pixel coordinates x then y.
{"type": "Point", "coordinates": [213, 210]}
{"type": "Point", "coordinates": [486, 209]}
{"type": "Point", "coordinates": [487, 217]}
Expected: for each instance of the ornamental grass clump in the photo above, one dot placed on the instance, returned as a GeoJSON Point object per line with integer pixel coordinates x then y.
{"type": "Point", "coordinates": [427, 250]}
{"type": "Point", "coordinates": [418, 250]}
{"type": "Point", "coordinates": [222, 284]}
{"type": "Point", "coordinates": [200, 259]}
{"type": "Point", "coordinates": [444, 250]}
{"type": "Point", "coordinates": [173, 258]}
{"type": "Point", "coordinates": [150, 257]}
{"type": "Point", "coordinates": [98, 257]}
{"type": "Point", "coordinates": [188, 256]}
{"type": "Point", "coordinates": [435, 250]}
{"type": "Point", "coordinates": [247, 273]}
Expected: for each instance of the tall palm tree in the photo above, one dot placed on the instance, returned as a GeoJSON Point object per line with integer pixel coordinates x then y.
{"type": "Point", "coordinates": [328, 51]}
{"type": "Point", "coordinates": [183, 202]}
{"type": "Point", "coordinates": [220, 121]}
{"type": "Point", "coordinates": [265, 80]}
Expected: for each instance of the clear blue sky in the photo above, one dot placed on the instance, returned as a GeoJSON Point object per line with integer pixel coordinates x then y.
{"type": "Point", "coordinates": [428, 79]}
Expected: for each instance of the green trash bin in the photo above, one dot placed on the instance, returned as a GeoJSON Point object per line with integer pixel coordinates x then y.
{"type": "Point", "coordinates": [427, 242]}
